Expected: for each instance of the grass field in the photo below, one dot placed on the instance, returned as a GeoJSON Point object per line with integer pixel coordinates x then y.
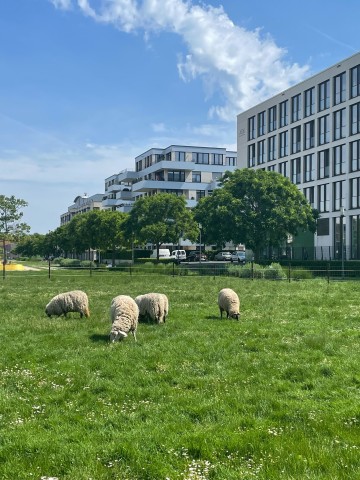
{"type": "Point", "coordinates": [274, 395]}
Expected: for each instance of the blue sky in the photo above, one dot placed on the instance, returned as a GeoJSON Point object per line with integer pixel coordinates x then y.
{"type": "Point", "coordinates": [87, 85]}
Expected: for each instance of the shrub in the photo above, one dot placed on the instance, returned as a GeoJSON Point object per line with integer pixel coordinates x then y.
{"type": "Point", "coordinates": [274, 272]}
{"type": "Point", "coordinates": [246, 271]}
{"type": "Point", "coordinates": [88, 263]}
{"type": "Point", "coordinates": [69, 262]}
{"type": "Point", "coordinates": [300, 274]}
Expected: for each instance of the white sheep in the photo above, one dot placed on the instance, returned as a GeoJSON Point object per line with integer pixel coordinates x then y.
{"type": "Point", "coordinates": [154, 306]}
{"type": "Point", "coordinates": [124, 314]}
{"type": "Point", "coordinates": [229, 302]}
{"type": "Point", "coordinates": [74, 301]}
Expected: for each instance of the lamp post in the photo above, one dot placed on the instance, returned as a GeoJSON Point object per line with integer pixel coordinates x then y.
{"type": "Point", "coordinates": [342, 215]}
{"type": "Point", "coordinates": [200, 227]}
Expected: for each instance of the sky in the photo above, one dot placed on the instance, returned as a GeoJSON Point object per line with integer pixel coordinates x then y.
{"type": "Point", "coordinates": [87, 85]}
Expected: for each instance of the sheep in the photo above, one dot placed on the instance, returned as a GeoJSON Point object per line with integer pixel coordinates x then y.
{"type": "Point", "coordinates": [154, 306]}
{"type": "Point", "coordinates": [229, 302]}
{"type": "Point", "coordinates": [124, 314]}
{"type": "Point", "coordinates": [73, 301]}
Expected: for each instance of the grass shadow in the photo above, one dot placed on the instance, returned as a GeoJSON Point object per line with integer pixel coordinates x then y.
{"type": "Point", "coordinates": [99, 338]}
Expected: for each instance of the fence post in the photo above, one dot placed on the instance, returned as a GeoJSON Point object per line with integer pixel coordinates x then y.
{"type": "Point", "coordinates": [289, 272]}
{"type": "Point", "coordinates": [328, 272]}
{"type": "Point", "coordinates": [49, 269]}
{"type": "Point", "coordinates": [173, 269]}
{"type": "Point", "coordinates": [252, 269]}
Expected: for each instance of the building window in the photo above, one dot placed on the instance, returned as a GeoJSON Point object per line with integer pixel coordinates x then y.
{"type": "Point", "coordinates": [296, 139]}
{"type": "Point", "coordinates": [296, 170]}
{"type": "Point", "coordinates": [309, 168]}
{"type": "Point", "coordinates": [272, 148]}
{"type": "Point", "coordinates": [283, 169]}
{"type": "Point", "coordinates": [355, 119]}
{"type": "Point", "coordinates": [218, 159]}
{"type": "Point", "coordinates": [296, 108]}
{"type": "Point", "coordinates": [271, 168]}
{"type": "Point", "coordinates": [338, 195]}
{"type": "Point", "coordinates": [323, 198]}
{"type": "Point", "coordinates": [309, 102]}
{"type": "Point", "coordinates": [355, 156]}
{"type": "Point", "coordinates": [200, 194]}
{"type": "Point", "coordinates": [261, 152]}
{"type": "Point", "coordinates": [340, 88]}
{"type": "Point", "coordinates": [284, 144]}
{"type": "Point", "coordinates": [324, 164]}
{"type": "Point", "coordinates": [309, 195]}
{"type": "Point", "coordinates": [251, 155]}
{"type": "Point", "coordinates": [324, 130]}
{"type": "Point", "coordinates": [251, 128]}
{"type": "Point", "coordinates": [176, 176]}
{"type": "Point", "coordinates": [355, 81]}
{"type": "Point", "coordinates": [168, 156]}
{"type": "Point", "coordinates": [355, 193]}
{"type": "Point", "coordinates": [339, 124]}
{"type": "Point", "coordinates": [324, 95]}
{"type": "Point", "coordinates": [261, 123]}
{"type": "Point", "coordinates": [284, 114]}
{"type": "Point", "coordinates": [201, 158]}
{"type": "Point", "coordinates": [180, 156]}
{"type": "Point", "coordinates": [231, 161]}
{"type": "Point", "coordinates": [196, 177]}
{"type": "Point", "coordinates": [309, 134]}
{"type": "Point", "coordinates": [339, 159]}
{"type": "Point", "coordinates": [272, 119]}
{"type": "Point", "coordinates": [355, 237]}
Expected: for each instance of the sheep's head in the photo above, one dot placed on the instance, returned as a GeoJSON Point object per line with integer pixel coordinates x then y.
{"type": "Point", "coordinates": [47, 312]}
{"type": "Point", "coordinates": [117, 336]}
{"type": "Point", "coordinates": [235, 315]}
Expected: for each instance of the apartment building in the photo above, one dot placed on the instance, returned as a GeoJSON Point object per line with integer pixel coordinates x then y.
{"type": "Point", "coordinates": [191, 171]}
{"type": "Point", "coordinates": [82, 204]}
{"type": "Point", "coordinates": [310, 133]}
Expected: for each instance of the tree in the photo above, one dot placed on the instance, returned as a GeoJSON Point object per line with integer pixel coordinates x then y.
{"type": "Point", "coordinates": [161, 218]}
{"type": "Point", "coordinates": [10, 214]}
{"type": "Point", "coordinates": [255, 207]}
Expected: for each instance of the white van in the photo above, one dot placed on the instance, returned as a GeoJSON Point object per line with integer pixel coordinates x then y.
{"type": "Point", "coordinates": [163, 253]}
{"type": "Point", "coordinates": [178, 255]}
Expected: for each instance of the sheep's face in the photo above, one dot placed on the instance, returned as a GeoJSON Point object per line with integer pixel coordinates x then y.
{"type": "Point", "coordinates": [117, 336]}
{"type": "Point", "coordinates": [47, 313]}
{"type": "Point", "coordinates": [235, 315]}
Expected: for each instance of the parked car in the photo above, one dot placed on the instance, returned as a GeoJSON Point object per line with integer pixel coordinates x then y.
{"type": "Point", "coordinates": [178, 255]}
{"type": "Point", "coordinates": [238, 256]}
{"type": "Point", "coordinates": [224, 256]}
{"type": "Point", "coordinates": [194, 256]}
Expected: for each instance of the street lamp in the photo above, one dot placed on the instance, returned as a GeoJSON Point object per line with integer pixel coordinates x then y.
{"type": "Point", "coordinates": [342, 215]}
{"type": "Point", "coordinates": [200, 227]}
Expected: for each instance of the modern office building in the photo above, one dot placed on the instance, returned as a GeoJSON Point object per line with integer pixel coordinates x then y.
{"type": "Point", "coordinates": [310, 133]}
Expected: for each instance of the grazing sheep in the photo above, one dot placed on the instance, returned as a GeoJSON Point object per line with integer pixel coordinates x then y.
{"type": "Point", "coordinates": [124, 314]}
{"type": "Point", "coordinates": [229, 302]}
{"type": "Point", "coordinates": [74, 301]}
{"type": "Point", "coordinates": [154, 306]}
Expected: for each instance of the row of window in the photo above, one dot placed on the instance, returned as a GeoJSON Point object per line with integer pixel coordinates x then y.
{"type": "Point", "coordinates": [197, 157]}
{"type": "Point", "coordinates": [303, 104]}
{"type": "Point", "coordinates": [303, 137]}
{"type": "Point", "coordinates": [339, 197]}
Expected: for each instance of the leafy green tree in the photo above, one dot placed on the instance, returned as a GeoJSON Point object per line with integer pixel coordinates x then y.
{"type": "Point", "coordinates": [10, 215]}
{"type": "Point", "coordinates": [255, 207]}
{"type": "Point", "coordinates": [161, 218]}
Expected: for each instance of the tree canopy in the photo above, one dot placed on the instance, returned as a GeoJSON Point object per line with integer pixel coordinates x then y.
{"type": "Point", "coordinates": [161, 218]}
{"type": "Point", "coordinates": [256, 207]}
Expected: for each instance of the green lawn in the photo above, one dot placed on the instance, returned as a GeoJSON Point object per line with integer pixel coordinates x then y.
{"type": "Point", "coordinates": [272, 396]}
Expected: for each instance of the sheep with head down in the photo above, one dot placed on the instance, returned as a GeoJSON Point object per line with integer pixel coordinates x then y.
{"type": "Point", "coordinates": [124, 314]}
{"type": "Point", "coordinates": [229, 302]}
{"type": "Point", "coordinates": [153, 306]}
{"type": "Point", "coordinates": [64, 303]}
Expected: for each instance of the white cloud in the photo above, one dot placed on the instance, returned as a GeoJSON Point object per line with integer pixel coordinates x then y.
{"type": "Point", "coordinates": [158, 127]}
{"type": "Point", "coordinates": [244, 67]}
{"type": "Point", "coordinates": [62, 4]}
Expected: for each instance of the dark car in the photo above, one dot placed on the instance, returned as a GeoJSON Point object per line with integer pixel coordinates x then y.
{"type": "Point", "coordinates": [194, 256]}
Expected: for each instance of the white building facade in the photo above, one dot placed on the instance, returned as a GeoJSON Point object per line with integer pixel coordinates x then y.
{"type": "Point", "coordinates": [310, 133]}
